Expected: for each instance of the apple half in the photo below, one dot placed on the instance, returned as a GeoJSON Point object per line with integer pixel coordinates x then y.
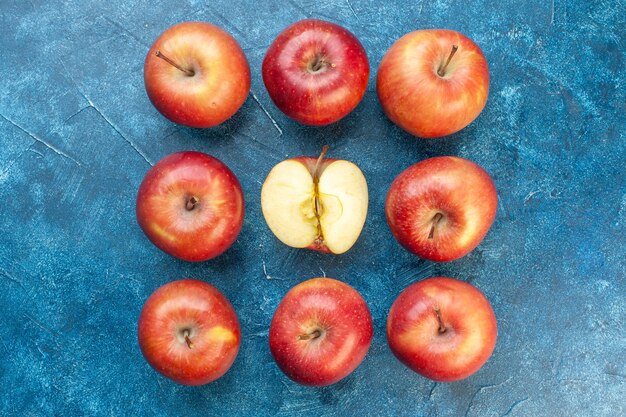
{"type": "Point", "coordinates": [315, 203]}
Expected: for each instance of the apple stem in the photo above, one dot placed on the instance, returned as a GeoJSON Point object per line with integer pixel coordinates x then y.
{"type": "Point", "coordinates": [313, 335]}
{"type": "Point", "coordinates": [190, 73]}
{"type": "Point", "coordinates": [187, 339]}
{"type": "Point", "coordinates": [442, 327]}
{"type": "Point", "coordinates": [191, 203]}
{"type": "Point", "coordinates": [317, 64]}
{"type": "Point", "coordinates": [442, 70]}
{"type": "Point", "coordinates": [436, 221]}
{"type": "Point", "coordinates": [316, 176]}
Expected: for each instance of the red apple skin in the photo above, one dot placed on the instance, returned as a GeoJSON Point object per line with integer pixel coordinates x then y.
{"type": "Point", "coordinates": [470, 329]}
{"type": "Point", "coordinates": [214, 332]}
{"type": "Point", "coordinates": [341, 315]}
{"type": "Point", "coordinates": [419, 100]}
{"type": "Point", "coordinates": [316, 97]}
{"type": "Point", "coordinates": [459, 190]}
{"type": "Point", "coordinates": [213, 224]}
{"type": "Point", "coordinates": [221, 79]}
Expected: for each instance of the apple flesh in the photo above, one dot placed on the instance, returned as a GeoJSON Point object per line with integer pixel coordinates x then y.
{"type": "Point", "coordinates": [196, 74]}
{"type": "Point", "coordinates": [442, 328]}
{"type": "Point", "coordinates": [315, 203]}
{"type": "Point", "coordinates": [320, 332]}
{"type": "Point", "coordinates": [189, 332]}
{"type": "Point", "coordinates": [316, 72]}
{"type": "Point", "coordinates": [190, 205]}
{"type": "Point", "coordinates": [433, 83]}
{"type": "Point", "coordinates": [441, 208]}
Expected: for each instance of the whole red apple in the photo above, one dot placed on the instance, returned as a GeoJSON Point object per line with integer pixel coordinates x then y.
{"type": "Point", "coordinates": [433, 83]}
{"type": "Point", "coordinates": [190, 205]}
{"type": "Point", "coordinates": [441, 208]}
{"type": "Point", "coordinates": [320, 332]}
{"type": "Point", "coordinates": [196, 74]}
{"type": "Point", "coordinates": [189, 332]}
{"type": "Point", "coordinates": [316, 72]}
{"type": "Point", "coordinates": [315, 203]}
{"type": "Point", "coordinates": [442, 328]}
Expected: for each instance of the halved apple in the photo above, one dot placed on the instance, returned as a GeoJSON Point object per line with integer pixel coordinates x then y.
{"type": "Point", "coordinates": [315, 203]}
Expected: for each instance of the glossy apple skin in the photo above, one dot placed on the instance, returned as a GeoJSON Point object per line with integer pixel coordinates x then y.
{"type": "Point", "coordinates": [336, 309]}
{"type": "Point", "coordinates": [460, 190]}
{"type": "Point", "coordinates": [420, 101]}
{"type": "Point", "coordinates": [213, 329]}
{"type": "Point", "coordinates": [221, 79]}
{"type": "Point", "coordinates": [325, 96]}
{"type": "Point", "coordinates": [214, 223]}
{"type": "Point", "coordinates": [470, 329]}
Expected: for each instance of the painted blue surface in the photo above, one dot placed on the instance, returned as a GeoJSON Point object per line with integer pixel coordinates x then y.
{"type": "Point", "coordinates": [78, 134]}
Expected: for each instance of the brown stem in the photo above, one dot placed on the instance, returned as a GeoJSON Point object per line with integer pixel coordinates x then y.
{"type": "Point", "coordinates": [442, 327]}
{"type": "Point", "coordinates": [316, 174]}
{"type": "Point", "coordinates": [191, 203]}
{"type": "Point", "coordinates": [190, 73]}
{"type": "Point", "coordinates": [442, 70]}
{"type": "Point", "coordinates": [436, 221]}
{"type": "Point", "coordinates": [317, 64]}
{"type": "Point", "coordinates": [187, 339]}
{"type": "Point", "coordinates": [313, 335]}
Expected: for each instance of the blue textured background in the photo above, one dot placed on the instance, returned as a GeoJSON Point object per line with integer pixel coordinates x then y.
{"type": "Point", "coordinates": [78, 135]}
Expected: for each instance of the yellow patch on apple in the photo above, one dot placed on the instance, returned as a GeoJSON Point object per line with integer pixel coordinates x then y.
{"type": "Point", "coordinates": [220, 334]}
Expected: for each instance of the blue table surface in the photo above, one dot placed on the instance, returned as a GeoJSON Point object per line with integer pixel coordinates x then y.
{"type": "Point", "coordinates": [78, 135]}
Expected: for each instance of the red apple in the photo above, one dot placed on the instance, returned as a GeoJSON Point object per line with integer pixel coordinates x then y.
{"type": "Point", "coordinates": [442, 328]}
{"type": "Point", "coordinates": [190, 205]}
{"type": "Point", "coordinates": [441, 208]}
{"type": "Point", "coordinates": [433, 83]}
{"type": "Point", "coordinates": [316, 72]}
{"type": "Point", "coordinates": [189, 332]}
{"type": "Point", "coordinates": [196, 74]}
{"type": "Point", "coordinates": [320, 332]}
{"type": "Point", "coordinates": [315, 203]}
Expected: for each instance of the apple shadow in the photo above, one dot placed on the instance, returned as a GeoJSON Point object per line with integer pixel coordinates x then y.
{"type": "Point", "coordinates": [331, 395]}
{"type": "Point", "coordinates": [427, 148]}
{"type": "Point", "coordinates": [217, 271]}
{"type": "Point", "coordinates": [334, 134]}
{"type": "Point", "coordinates": [242, 120]}
{"type": "Point", "coordinates": [230, 127]}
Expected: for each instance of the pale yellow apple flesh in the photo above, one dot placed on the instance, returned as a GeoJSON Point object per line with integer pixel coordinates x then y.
{"type": "Point", "coordinates": [288, 201]}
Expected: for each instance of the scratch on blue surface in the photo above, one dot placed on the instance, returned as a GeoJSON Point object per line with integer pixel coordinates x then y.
{"type": "Point", "coordinates": [11, 278]}
{"type": "Point", "coordinates": [269, 116]}
{"type": "Point", "coordinates": [105, 118]}
{"type": "Point", "coordinates": [40, 324]}
{"type": "Point", "coordinates": [299, 8]}
{"type": "Point", "coordinates": [352, 9]}
{"type": "Point", "coordinates": [43, 142]}
{"type": "Point", "coordinates": [514, 405]}
{"type": "Point", "coordinates": [480, 390]}
{"type": "Point", "coordinates": [125, 30]}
